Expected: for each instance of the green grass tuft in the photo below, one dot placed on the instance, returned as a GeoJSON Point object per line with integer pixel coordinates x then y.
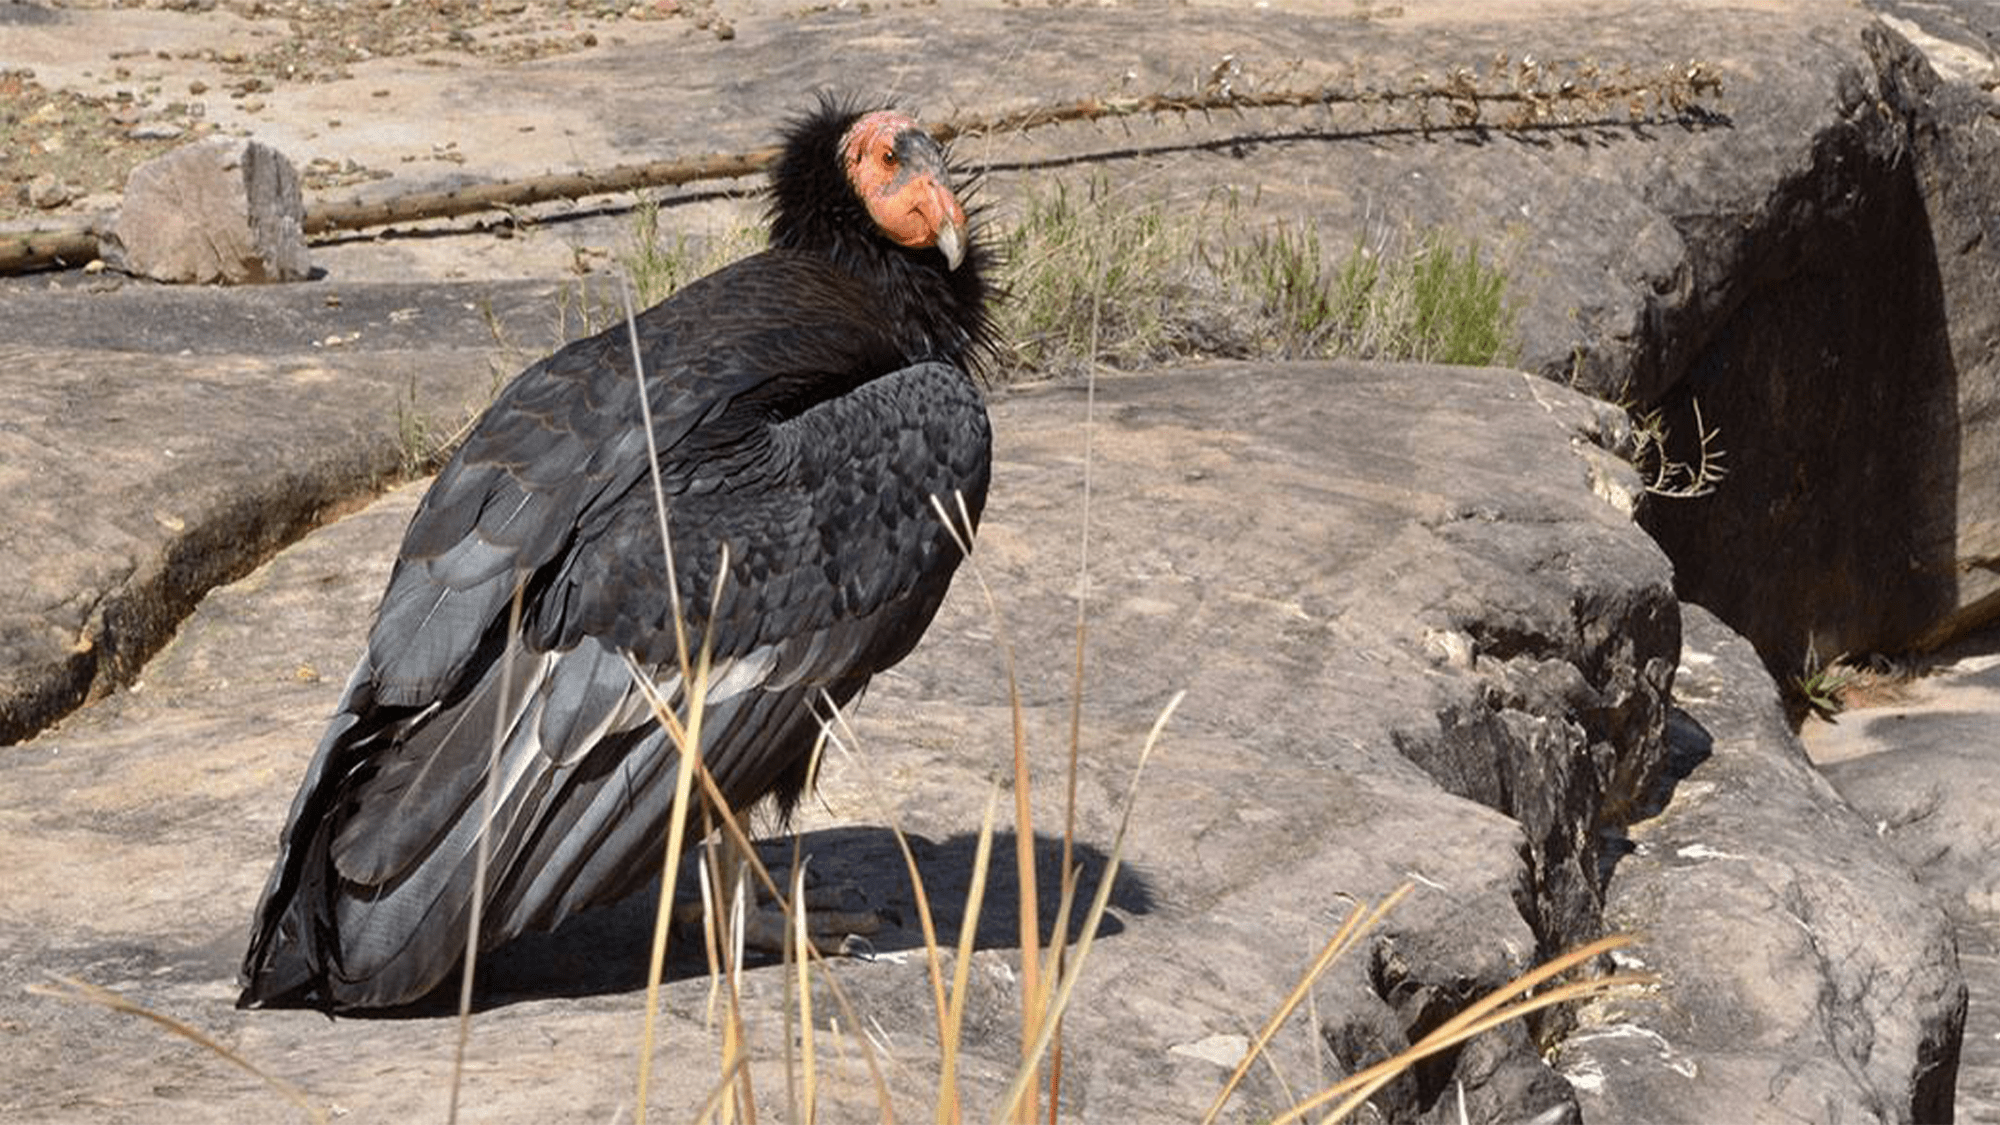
{"type": "Point", "coordinates": [1096, 277]}
{"type": "Point", "coordinates": [1090, 276]}
{"type": "Point", "coordinates": [658, 266]}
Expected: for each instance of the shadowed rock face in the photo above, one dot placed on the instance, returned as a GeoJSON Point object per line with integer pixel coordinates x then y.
{"type": "Point", "coordinates": [1854, 402]}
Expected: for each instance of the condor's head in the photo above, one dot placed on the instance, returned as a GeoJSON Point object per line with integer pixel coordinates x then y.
{"type": "Point", "coordinates": [898, 172]}
{"type": "Point", "coordinates": [868, 188]}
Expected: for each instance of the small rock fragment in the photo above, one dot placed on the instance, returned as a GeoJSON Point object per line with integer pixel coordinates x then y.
{"type": "Point", "coordinates": [48, 192]}
{"type": "Point", "coordinates": [1223, 1050]}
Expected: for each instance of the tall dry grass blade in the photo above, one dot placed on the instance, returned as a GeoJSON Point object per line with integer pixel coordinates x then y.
{"type": "Point", "coordinates": [687, 739]}
{"type": "Point", "coordinates": [933, 954]}
{"type": "Point", "coordinates": [847, 1012]}
{"type": "Point", "coordinates": [949, 1111]}
{"type": "Point", "coordinates": [1359, 921]}
{"type": "Point", "coordinates": [801, 939]}
{"type": "Point", "coordinates": [1055, 958]}
{"type": "Point", "coordinates": [653, 473]}
{"type": "Point", "coordinates": [1527, 982]}
{"type": "Point", "coordinates": [483, 851]}
{"type": "Point", "coordinates": [793, 947]}
{"type": "Point", "coordinates": [1028, 909]}
{"type": "Point", "coordinates": [1059, 937]}
{"type": "Point", "coordinates": [1082, 604]}
{"type": "Point", "coordinates": [711, 941]}
{"type": "Point", "coordinates": [694, 685]}
{"type": "Point", "coordinates": [82, 991]}
{"type": "Point", "coordinates": [1034, 996]}
{"type": "Point", "coordinates": [735, 1042]}
{"type": "Point", "coordinates": [1034, 1000]}
{"type": "Point", "coordinates": [725, 1082]}
{"type": "Point", "coordinates": [733, 829]}
{"type": "Point", "coordinates": [1310, 1032]}
{"type": "Point", "coordinates": [1383, 1073]}
{"type": "Point", "coordinates": [1010, 1103]}
{"type": "Point", "coordinates": [793, 957]}
{"type": "Point", "coordinates": [1494, 1009]}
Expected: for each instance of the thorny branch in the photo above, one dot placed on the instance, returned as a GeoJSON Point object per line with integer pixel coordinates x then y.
{"type": "Point", "coordinates": [1508, 95]}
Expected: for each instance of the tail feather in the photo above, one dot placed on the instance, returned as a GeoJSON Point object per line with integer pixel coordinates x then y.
{"type": "Point", "coordinates": [371, 898]}
{"type": "Point", "coordinates": [368, 903]}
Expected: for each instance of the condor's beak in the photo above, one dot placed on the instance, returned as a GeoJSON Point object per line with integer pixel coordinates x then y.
{"type": "Point", "coordinates": [942, 219]}
{"type": "Point", "coordinates": [951, 240]}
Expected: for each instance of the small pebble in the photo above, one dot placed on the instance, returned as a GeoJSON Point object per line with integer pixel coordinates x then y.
{"type": "Point", "coordinates": [47, 192]}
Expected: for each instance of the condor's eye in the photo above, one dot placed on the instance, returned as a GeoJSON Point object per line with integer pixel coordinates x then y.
{"type": "Point", "coordinates": [889, 157]}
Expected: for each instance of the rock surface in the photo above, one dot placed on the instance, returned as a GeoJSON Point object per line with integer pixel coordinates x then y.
{"type": "Point", "coordinates": [1805, 976]}
{"type": "Point", "coordinates": [1369, 627]}
{"type": "Point", "coordinates": [216, 211]}
{"type": "Point", "coordinates": [1921, 766]}
{"type": "Point", "coordinates": [157, 443]}
{"type": "Point", "coordinates": [1367, 568]}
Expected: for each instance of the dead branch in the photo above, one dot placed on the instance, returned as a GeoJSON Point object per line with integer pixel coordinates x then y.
{"type": "Point", "coordinates": [1533, 93]}
{"type": "Point", "coordinates": [42, 249]}
{"type": "Point", "coordinates": [357, 215]}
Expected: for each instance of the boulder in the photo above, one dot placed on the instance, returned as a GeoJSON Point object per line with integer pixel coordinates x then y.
{"type": "Point", "coordinates": [1856, 406]}
{"type": "Point", "coordinates": [1805, 975]}
{"type": "Point", "coordinates": [218, 211]}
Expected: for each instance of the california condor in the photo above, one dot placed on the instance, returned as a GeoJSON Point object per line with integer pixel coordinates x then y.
{"type": "Point", "coordinates": [807, 403]}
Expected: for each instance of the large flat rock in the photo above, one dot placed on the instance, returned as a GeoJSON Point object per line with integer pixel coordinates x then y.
{"type": "Point", "coordinates": [1351, 570]}
{"type": "Point", "coordinates": [1418, 644]}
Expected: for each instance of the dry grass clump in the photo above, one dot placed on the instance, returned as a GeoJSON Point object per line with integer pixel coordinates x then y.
{"type": "Point", "coordinates": [1093, 276]}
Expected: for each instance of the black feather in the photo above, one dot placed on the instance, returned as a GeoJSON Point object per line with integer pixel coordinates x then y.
{"type": "Point", "coordinates": [807, 402]}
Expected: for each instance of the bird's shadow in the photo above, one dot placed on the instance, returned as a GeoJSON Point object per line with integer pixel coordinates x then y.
{"type": "Point", "coordinates": [606, 951]}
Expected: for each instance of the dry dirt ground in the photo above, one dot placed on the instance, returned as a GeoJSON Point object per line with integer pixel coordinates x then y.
{"type": "Point", "coordinates": [184, 69]}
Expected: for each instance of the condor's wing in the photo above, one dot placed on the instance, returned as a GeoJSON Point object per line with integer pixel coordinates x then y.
{"type": "Point", "coordinates": [778, 440]}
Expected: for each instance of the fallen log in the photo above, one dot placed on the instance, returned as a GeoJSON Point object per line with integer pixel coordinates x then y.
{"type": "Point", "coordinates": [45, 249]}
{"type": "Point", "coordinates": [358, 215]}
